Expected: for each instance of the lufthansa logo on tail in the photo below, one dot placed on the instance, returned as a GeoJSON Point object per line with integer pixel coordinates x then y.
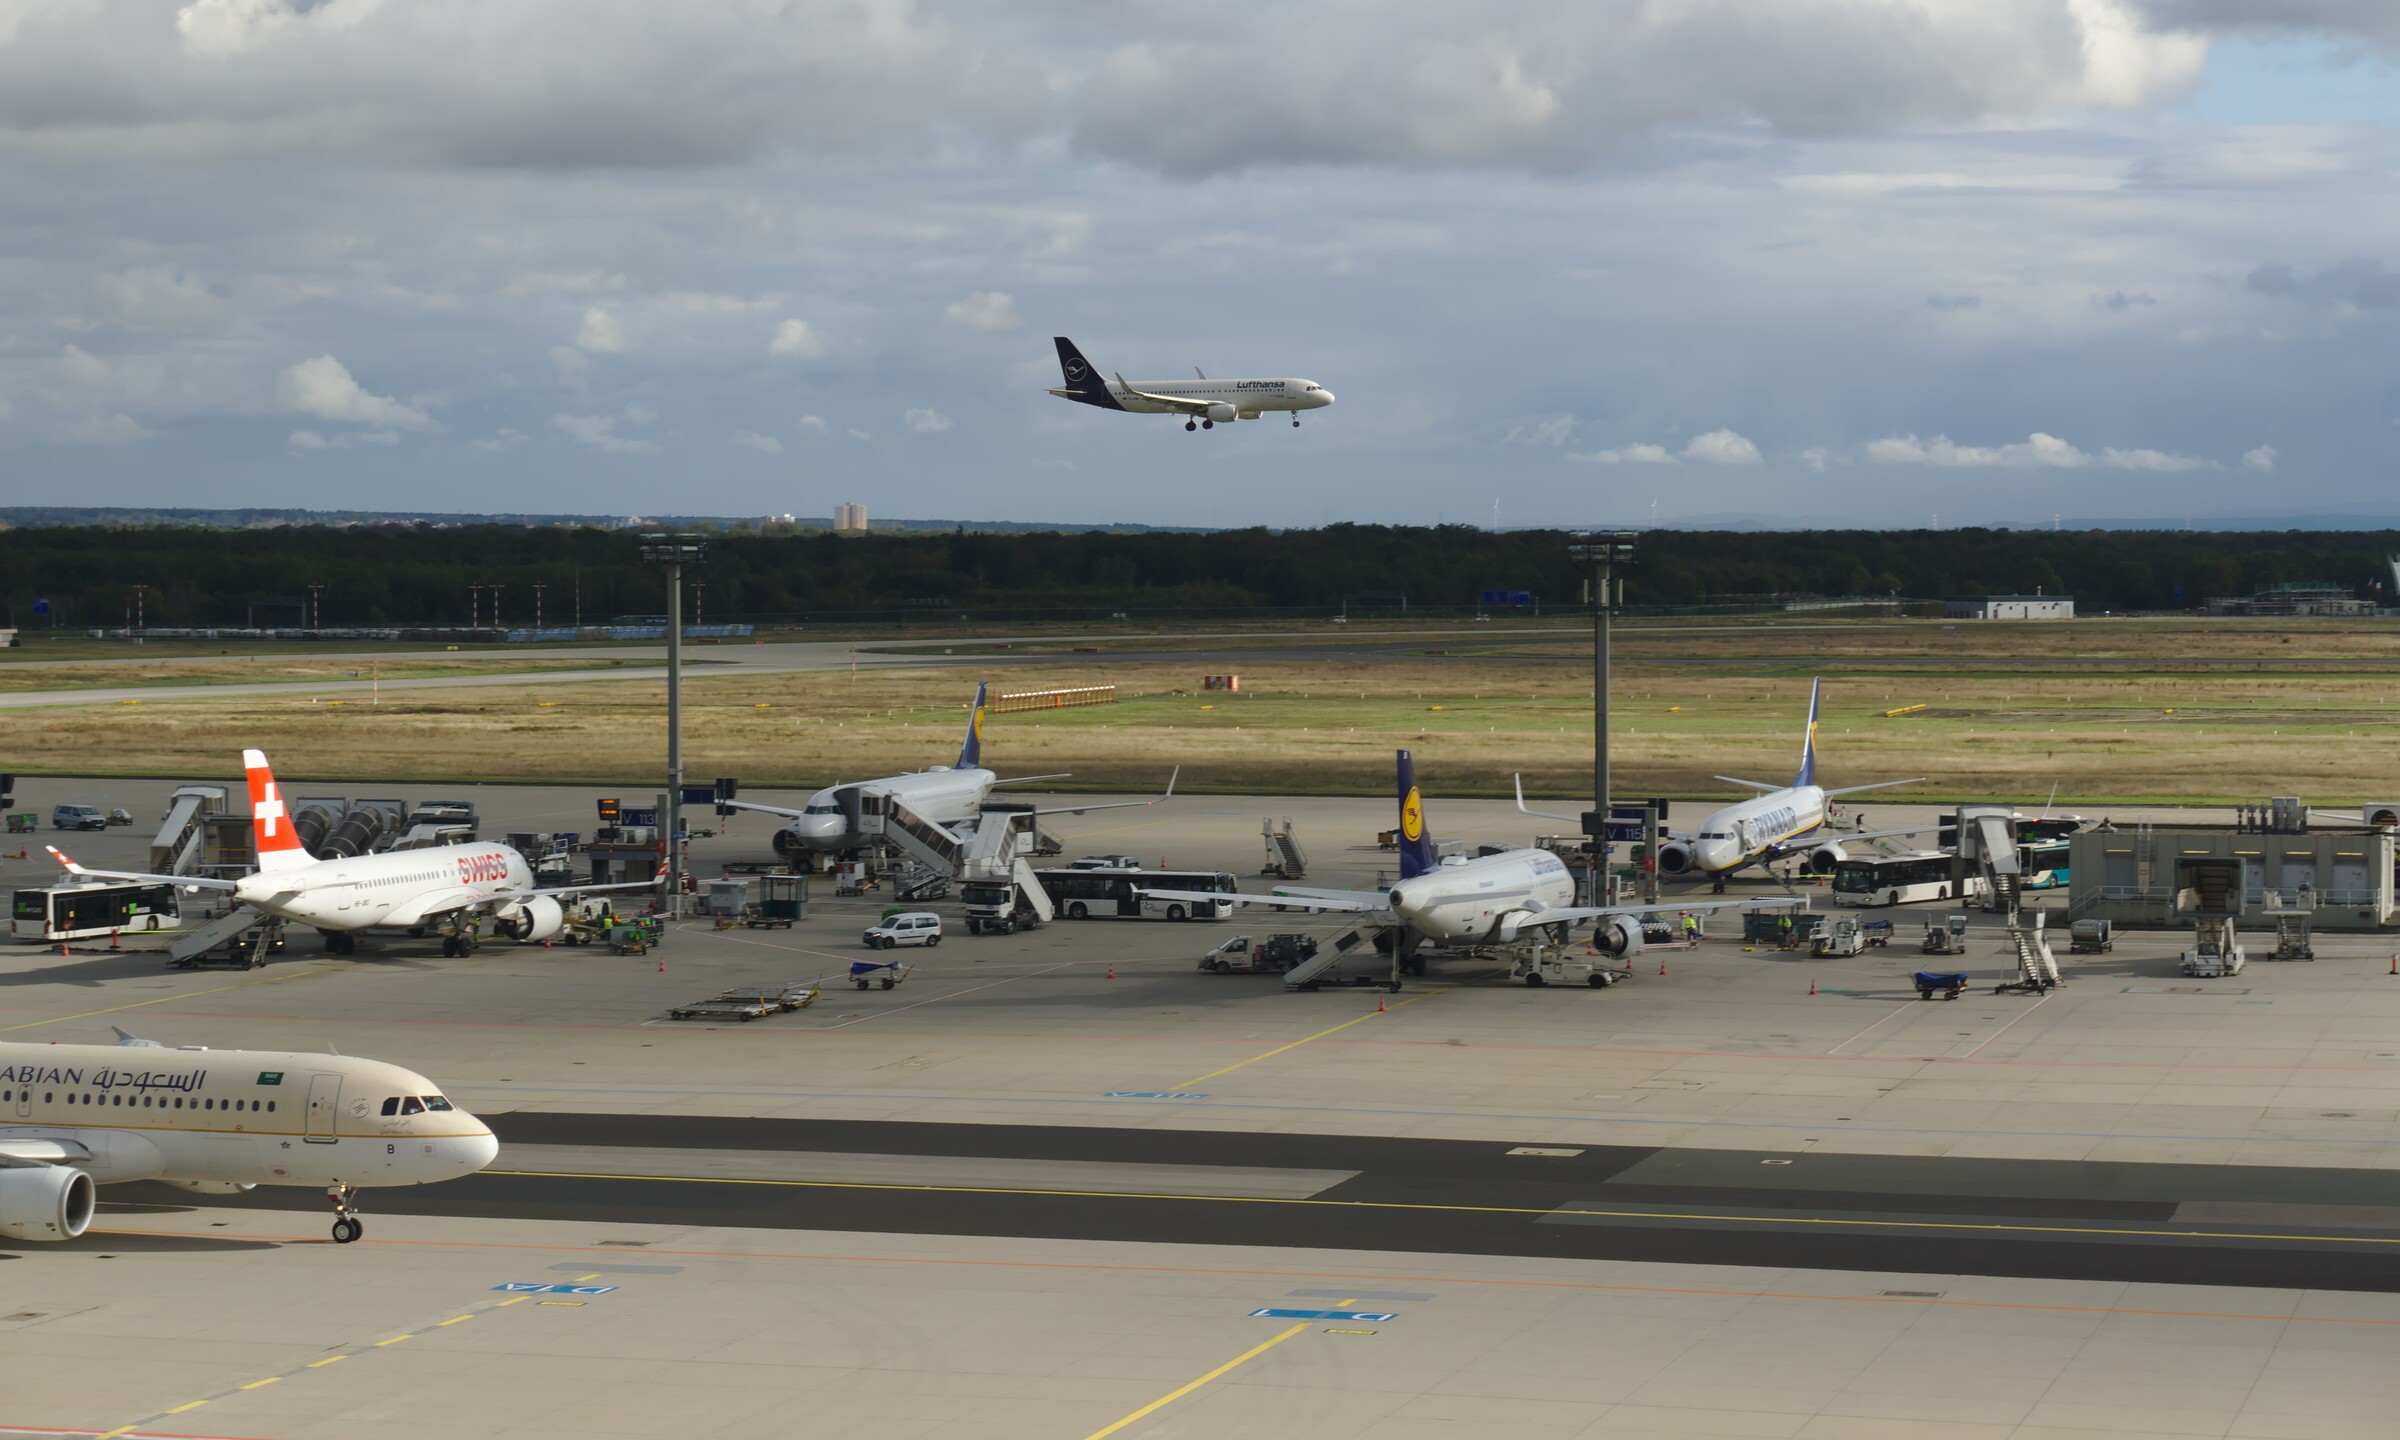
{"type": "Point", "coordinates": [1075, 370]}
{"type": "Point", "coordinates": [1412, 816]}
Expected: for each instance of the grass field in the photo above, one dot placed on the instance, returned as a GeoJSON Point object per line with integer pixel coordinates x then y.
{"type": "Point", "coordinates": [2116, 712]}
{"type": "Point", "coordinates": [266, 669]}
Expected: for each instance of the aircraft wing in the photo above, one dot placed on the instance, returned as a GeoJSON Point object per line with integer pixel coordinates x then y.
{"type": "Point", "coordinates": [1545, 814]}
{"type": "Point", "coordinates": [1169, 794]}
{"type": "Point", "coordinates": [1029, 779]}
{"type": "Point", "coordinates": [197, 882]}
{"type": "Point", "coordinates": [1765, 789]}
{"type": "Point", "coordinates": [1593, 912]}
{"type": "Point", "coordinates": [1840, 836]}
{"type": "Point", "coordinates": [784, 811]}
{"type": "Point", "coordinates": [34, 1148]}
{"type": "Point", "coordinates": [511, 897]}
{"type": "Point", "coordinates": [1346, 902]}
{"type": "Point", "coordinates": [1172, 402]}
{"type": "Point", "coordinates": [1878, 785]}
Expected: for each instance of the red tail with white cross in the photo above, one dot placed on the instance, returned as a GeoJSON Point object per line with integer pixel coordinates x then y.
{"type": "Point", "coordinates": [279, 845]}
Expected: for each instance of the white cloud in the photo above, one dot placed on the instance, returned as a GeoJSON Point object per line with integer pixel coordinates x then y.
{"type": "Point", "coordinates": [600, 334]}
{"type": "Point", "coordinates": [1722, 447]}
{"type": "Point", "coordinates": [1552, 432]}
{"type": "Point", "coordinates": [796, 340]}
{"type": "Point", "coordinates": [1814, 457]}
{"type": "Point", "coordinates": [151, 298]}
{"type": "Point", "coordinates": [379, 437]}
{"type": "Point", "coordinates": [812, 424]}
{"type": "Point", "coordinates": [1638, 454]}
{"type": "Point", "coordinates": [2263, 458]}
{"type": "Point", "coordinates": [305, 440]}
{"type": "Point", "coordinates": [857, 434]}
{"type": "Point", "coordinates": [639, 413]}
{"type": "Point", "coordinates": [323, 387]}
{"type": "Point", "coordinates": [600, 431]}
{"type": "Point", "coordinates": [113, 428]}
{"type": "Point", "coordinates": [925, 420]}
{"type": "Point", "coordinates": [502, 439]}
{"type": "Point", "coordinates": [2037, 450]}
{"type": "Point", "coordinates": [983, 310]}
{"type": "Point", "coordinates": [2153, 460]}
{"type": "Point", "coordinates": [752, 440]}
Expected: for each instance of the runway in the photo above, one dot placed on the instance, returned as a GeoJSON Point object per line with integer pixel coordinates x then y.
{"type": "Point", "coordinates": [2066, 1220]}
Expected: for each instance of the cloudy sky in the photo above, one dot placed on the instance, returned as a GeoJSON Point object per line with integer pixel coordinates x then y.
{"type": "Point", "coordinates": [1868, 260]}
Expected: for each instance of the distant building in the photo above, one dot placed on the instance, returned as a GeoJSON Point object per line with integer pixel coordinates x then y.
{"type": "Point", "coordinates": [2009, 607]}
{"type": "Point", "coordinates": [849, 519]}
{"type": "Point", "coordinates": [2306, 597]}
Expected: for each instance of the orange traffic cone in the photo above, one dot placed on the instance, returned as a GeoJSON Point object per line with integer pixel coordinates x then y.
{"type": "Point", "coordinates": [112, 941]}
{"type": "Point", "coordinates": [2396, 962]}
{"type": "Point", "coordinates": [1662, 964]}
{"type": "Point", "coordinates": [662, 964]}
{"type": "Point", "coordinates": [1812, 987]}
{"type": "Point", "coordinates": [1112, 969]}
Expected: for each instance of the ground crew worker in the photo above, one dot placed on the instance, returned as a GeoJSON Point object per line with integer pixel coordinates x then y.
{"type": "Point", "coordinates": [1691, 927]}
{"type": "Point", "coordinates": [1783, 929]}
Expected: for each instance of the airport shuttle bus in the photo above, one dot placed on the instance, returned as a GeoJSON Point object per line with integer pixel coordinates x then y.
{"type": "Point", "coordinates": [2043, 864]}
{"type": "Point", "coordinates": [1903, 879]}
{"type": "Point", "coordinates": [93, 912]}
{"type": "Point", "coordinates": [1092, 894]}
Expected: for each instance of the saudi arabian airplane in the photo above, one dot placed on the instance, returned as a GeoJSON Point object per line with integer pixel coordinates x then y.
{"type": "Point", "coordinates": [1489, 901]}
{"type": "Point", "coordinates": [218, 1122]}
{"type": "Point", "coordinates": [441, 887]}
{"type": "Point", "coordinates": [950, 796]}
{"type": "Point", "coordinates": [1762, 828]}
{"type": "Point", "coordinates": [1204, 403]}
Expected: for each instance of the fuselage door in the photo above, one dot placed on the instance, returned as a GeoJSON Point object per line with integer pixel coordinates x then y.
{"type": "Point", "coordinates": [324, 1104]}
{"type": "Point", "coordinates": [24, 1103]}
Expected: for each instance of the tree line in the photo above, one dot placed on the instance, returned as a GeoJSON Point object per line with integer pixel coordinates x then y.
{"type": "Point", "coordinates": [400, 575]}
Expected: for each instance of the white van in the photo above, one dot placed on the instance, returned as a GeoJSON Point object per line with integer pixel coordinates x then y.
{"type": "Point", "coordinates": [914, 927]}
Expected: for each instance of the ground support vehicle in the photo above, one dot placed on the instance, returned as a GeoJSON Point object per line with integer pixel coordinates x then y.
{"type": "Point", "coordinates": [248, 950]}
{"type": "Point", "coordinates": [886, 973]}
{"type": "Point", "coordinates": [1947, 936]}
{"type": "Point", "coordinates": [2091, 937]}
{"type": "Point", "coordinates": [906, 927]}
{"type": "Point", "coordinates": [749, 1003]}
{"type": "Point", "coordinates": [1273, 956]}
{"type": "Point", "coordinates": [23, 822]}
{"type": "Point", "coordinates": [1844, 937]}
{"type": "Point", "coordinates": [78, 817]}
{"type": "Point", "coordinates": [1006, 903]}
{"type": "Point", "coordinates": [1949, 982]}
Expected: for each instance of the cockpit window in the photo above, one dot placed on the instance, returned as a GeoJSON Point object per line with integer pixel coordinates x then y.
{"type": "Point", "coordinates": [391, 1106]}
{"type": "Point", "coordinates": [412, 1106]}
{"type": "Point", "coordinates": [436, 1102]}
{"type": "Point", "coordinates": [822, 810]}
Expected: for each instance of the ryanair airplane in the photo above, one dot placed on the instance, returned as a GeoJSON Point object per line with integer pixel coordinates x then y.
{"type": "Point", "coordinates": [1203, 403]}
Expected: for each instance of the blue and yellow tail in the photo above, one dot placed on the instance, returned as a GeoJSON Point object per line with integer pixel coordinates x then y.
{"type": "Point", "coordinates": [1416, 847]}
{"type": "Point", "coordinates": [1808, 742]}
{"type": "Point", "coordinates": [970, 755]}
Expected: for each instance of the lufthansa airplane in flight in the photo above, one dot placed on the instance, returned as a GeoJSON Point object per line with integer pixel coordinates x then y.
{"type": "Point", "coordinates": [1202, 403]}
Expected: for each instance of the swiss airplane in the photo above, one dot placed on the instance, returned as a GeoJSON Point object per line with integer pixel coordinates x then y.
{"type": "Point", "coordinates": [218, 1122]}
{"type": "Point", "coordinates": [439, 887]}
{"type": "Point", "coordinates": [951, 796]}
{"type": "Point", "coordinates": [1204, 403]}
{"type": "Point", "coordinates": [1487, 901]}
{"type": "Point", "coordinates": [1762, 827]}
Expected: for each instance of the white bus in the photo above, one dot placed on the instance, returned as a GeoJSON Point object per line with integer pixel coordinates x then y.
{"type": "Point", "coordinates": [1902, 879]}
{"type": "Point", "coordinates": [1091, 893]}
{"type": "Point", "coordinates": [93, 912]}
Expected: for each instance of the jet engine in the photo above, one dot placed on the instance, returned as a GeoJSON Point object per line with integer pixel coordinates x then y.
{"type": "Point", "coordinates": [1821, 860]}
{"type": "Point", "coordinates": [44, 1202]}
{"type": "Point", "coordinates": [1222, 413]}
{"type": "Point", "coordinates": [1618, 935]}
{"type": "Point", "coordinates": [1676, 858]}
{"type": "Point", "coordinates": [214, 1187]}
{"type": "Point", "coordinates": [788, 844]}
{"type": "Point", "coordinates": [532, 920]}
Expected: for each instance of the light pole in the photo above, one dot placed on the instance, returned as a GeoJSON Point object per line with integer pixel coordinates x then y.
{"type": "Point", "coordinates": [674, 552]}
{"type": "Point", "coordinates": [474, 604]}
{"type": "Point", "coordinates": [1601, 551]}
{"type": "Point", "coordinates": [537, 603]}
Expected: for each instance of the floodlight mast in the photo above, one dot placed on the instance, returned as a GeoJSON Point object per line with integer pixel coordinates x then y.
{"type": "Point", "coordinates": [1601, 551]}
{"type": "Point", "coordinates": [673, 552]}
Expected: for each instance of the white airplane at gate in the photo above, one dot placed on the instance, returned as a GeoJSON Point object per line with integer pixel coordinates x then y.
{"type": "Point", "coordinates": [1204, 403]}
{"type": "Point", "coordinates": [951, 796]}
{"type": "Point", "coordinates": [1761, 827]}
{"type": "Point", "coordinates": [1491, 900]}
{"type": "Point", "coordinates": [218, 1122]}
{"type": "Point", "coordinates": [436, 887]}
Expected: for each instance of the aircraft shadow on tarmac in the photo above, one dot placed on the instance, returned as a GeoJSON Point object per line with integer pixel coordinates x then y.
{"type": "Point", "coordinates": [88, 970]}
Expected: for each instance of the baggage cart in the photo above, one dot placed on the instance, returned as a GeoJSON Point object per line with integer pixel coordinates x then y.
{"type": "Point", "coordinates": [1948, 982]}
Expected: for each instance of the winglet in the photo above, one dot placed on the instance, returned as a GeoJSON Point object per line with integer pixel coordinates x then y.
{"type": "Point", "coordinates": [64, 859]}
{"type": "Point", "coordinates": [124, 1038]}
{"type": "Point", "coordinates": [1545, 814]}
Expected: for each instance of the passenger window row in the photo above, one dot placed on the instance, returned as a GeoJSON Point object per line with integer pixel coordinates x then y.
{"type": "Point", "coordinates": [145, 1102]}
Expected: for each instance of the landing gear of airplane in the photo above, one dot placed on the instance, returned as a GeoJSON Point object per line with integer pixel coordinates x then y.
{"type": "Point", "coordinates": [459, 943]}
{"type": "Point", "coordinates": [346, 1226]}
{"type": "Point", "coordinates": [1295, 422]}
{"type": "Point", "coordinates": [1191, 424]}
{"type": "Point", "coordinates": [340, 942]}
{"type": "Point", "coordinates": [1208, 424]}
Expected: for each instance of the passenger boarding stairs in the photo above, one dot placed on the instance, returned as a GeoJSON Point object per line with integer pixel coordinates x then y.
{"type": "Point", "coordinates": [193, 944]}
{"type": "Point", "coordinates": [1306, 974]}
{"type": "Point", "coordinates": [1285, 859]}
{"type": "Point", "coordinates": [883, 817]}
{"type": "Point", "coordinates": [182, 838]}
{"type": "Point", "coordinates": [2037, 967]}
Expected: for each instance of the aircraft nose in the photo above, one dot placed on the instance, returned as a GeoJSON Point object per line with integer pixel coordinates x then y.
{"type": "Point", "coordinates": [1324, 398]}
{"type": "Point", "coordinates": [476, 1152]}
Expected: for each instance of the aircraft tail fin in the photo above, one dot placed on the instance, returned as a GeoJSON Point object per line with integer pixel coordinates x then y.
{"type": "Point", "coordinates": [279, 845]}
{"type": "Point", "coordinates": [970, 755]}
{"type": "Point", "coordinates": [1808, 740]}
{"type": "Point", "coordinates": [1080, 375]}
{"type": "Point", "coordinates": [1416, 847]}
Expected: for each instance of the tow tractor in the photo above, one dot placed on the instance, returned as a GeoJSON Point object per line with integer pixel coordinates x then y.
{"type": "Point", "coordinates": [1947, 936]}
{"type": "Point", "coordinates": [1245, 954]}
